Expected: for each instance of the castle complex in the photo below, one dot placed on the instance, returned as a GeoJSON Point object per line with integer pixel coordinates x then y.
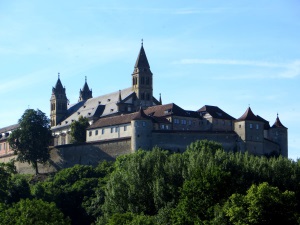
{"type": "Point", "coordinates": [133, 118]}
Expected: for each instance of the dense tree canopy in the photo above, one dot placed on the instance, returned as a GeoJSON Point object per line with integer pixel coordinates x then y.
{"type": "Point", "coordinates": [203, 185]}
{"type": "Point", "coordinates": [78, 130]}
{"type": "Point", "coordinates": [31, 140]}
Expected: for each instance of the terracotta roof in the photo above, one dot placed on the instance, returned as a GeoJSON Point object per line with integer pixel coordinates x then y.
{"type": "Point", "coordinates": [120, 119]}
{"type": "Point", "coordinates": [215, 112]}
{"type": "Point", "coordinates": [142, 61]}
{"type": "Point", "coordinates": [248, 115]}
{"type": "Point", "coordinates": [278, 123]}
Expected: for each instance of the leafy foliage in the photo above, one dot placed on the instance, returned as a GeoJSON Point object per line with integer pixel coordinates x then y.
{"type": "Point", "coordinates": [31, 140]}
{"type": "Point", "coordinates": [33, 211]}
{"type": "Point", "coordinates": [78, 130]}
{"type": "Point", "coordinates": [204, 185]}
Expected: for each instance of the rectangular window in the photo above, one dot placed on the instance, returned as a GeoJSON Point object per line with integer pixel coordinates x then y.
{"type": "Point", "coordinates": [257, 126]}
{"type": "Point", "coordinates": [116, 129]}
{"type": "Point", "coordinates": [125, 128]}
{"type": "Point", "coordinates": [190, 122]}
{"type": "Point", "coordinates": [111, 129]}
{"type": "Point", "coordinates": [162, 126]}
{"type": "Point", "coordinates": [102, 131]}
{"type": "Point", "coordinates": [4, 146]}
{"type": "Point", "coordinates": [167, 127]}
{"type": "Point", "coordinates": [251, 125]}
{"type": "Point", "coordinates": [96, 132]}
{"type": "Point", "coordinates": [240, 126]}
{"type": "Point", "coordinates": [144, 123]}
{"type": "Point", "coordinates": [176, 121]}
{"type": "Point", "coordinates": [183, 121]}
{"type": "Point", "coordinates": [90, 133]}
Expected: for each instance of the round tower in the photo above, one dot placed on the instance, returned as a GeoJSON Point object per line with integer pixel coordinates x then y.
{"type": "Point", "coordinates": [142, 127]}
{"type": "Point", "coordinates": [279, 134]}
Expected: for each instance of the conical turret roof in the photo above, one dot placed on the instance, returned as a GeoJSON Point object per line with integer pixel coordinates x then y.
{"type": "Point", "coordinates": [278, 123]}
{"type": "Point", "coordinates": [142, 61]}
{"type": "Point", "coordinates": [248, 115]}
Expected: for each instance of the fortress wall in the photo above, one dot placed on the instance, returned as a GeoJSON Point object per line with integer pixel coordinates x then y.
{"type": "Point", "coordinates": [84, 154]}
{"type": "Point", "coordinates": [178, 141]}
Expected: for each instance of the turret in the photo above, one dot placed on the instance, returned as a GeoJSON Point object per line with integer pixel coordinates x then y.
{"type": "Point", "coordinates": [279, 134]}
{"type": "Point", "coordinates": [58, 103]}
{"type": "Point", "coordinates": [251, 133]}
{"type": "Point", "coordinates": [85, 93]}
{"type": "Point", "coordinates": [142, 127]}
{"type": "Point", "coordinates": [142, 83]}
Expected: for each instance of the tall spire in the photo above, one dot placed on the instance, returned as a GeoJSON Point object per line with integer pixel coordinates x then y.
{"type": "Point", "coordinates": [142, 61]}
{"type": "Point", "coordinates": [85, 93]}
{"type": "Point", "coordinates": [278, 123]}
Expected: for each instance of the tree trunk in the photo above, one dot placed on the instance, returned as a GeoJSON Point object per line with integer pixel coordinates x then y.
{"type": "Point", "coordinates": [35, 166]}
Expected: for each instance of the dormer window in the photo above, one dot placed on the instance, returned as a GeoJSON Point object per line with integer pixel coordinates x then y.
{"type": "Point", "coordinates": [108, 100]}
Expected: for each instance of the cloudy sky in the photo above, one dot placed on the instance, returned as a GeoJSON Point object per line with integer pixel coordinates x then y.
{"type": "Point", "coordinates": [231, 54]}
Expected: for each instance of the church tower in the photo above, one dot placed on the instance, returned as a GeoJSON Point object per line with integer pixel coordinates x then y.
{"type": "Point", "coordinates": [85, 93]}
{"type": "Point", "coordinates": [142, 82]}
{"type": "Point", "coordinates": [58, 103]}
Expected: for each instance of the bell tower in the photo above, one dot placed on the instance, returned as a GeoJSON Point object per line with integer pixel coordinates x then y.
{"type": "Point", "coordinates": [58, 103]}
{"type": "Point", "coordinates": [142, 80]}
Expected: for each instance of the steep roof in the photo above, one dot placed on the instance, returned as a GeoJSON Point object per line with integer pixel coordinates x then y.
{"type": "Point", "coordinates": [248, 115]}
{"type": "Point", "coordinates": [142, 61]}
{"type": "Point", "coordinates": [94, 107]}
{"type": "Point", "coordinates": [266, 123]}
{"type": "Point", "coordinates": [215, 112]}
{"type": "Point", "coordinates": [278, 123]}
{"type": "Point", "coordinates": [140, 115]}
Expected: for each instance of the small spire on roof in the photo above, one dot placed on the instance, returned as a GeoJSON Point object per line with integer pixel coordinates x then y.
{"type": "Point", "coordinates": [120, 97]}
{"type": "Point", "coordinates": [160, 101]}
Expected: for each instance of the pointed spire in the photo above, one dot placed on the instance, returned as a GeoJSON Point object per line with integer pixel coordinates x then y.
{"type": "Point", "coordinates": [142, 61]}
{"type": "Point", "coordinates": [248, 115]}
{"type": "Point", "coordinates": [160, 101]}
{"type": "Point", "coordinates": [58, 86]}
{"type": "Point", "coordinates": [140, 115]}
{"type": "Point", "coordinates": [120, 97]}
{"type": "Point", "coordinates": [85, 93]}
{"type": "Point", "coordinates": [278, 123]}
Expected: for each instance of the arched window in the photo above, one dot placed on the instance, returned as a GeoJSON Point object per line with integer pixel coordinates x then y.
{"type": "Point", "coordinates": [143, 80]}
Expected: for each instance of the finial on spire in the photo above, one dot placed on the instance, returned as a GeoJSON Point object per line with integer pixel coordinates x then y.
{"type": "Point", "coordinates": [58, 75]}
{"type": "Point", "coordinates": [277, 115]}
{"type": "Point", "coordinates": [85, 79]}
{"type": "Point", "coordinates": [142, 41]}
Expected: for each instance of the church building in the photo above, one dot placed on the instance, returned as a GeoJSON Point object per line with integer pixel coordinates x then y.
{"type": "Point", "coordinates": [134, 116]}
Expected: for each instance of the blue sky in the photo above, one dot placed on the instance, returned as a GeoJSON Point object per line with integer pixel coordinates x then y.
{"type": "Point", "coordinates": [225, 53]}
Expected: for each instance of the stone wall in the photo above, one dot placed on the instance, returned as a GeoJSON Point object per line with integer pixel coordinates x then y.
{"type": "Point", "coordinates": [84, 154]}
{"type": "Point", "coordinates": [178, 140]}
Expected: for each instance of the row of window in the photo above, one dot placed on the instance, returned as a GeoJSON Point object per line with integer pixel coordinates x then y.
{"type": "Point", "coordinates": [112, 130]}
{"type": "Point", "coordinates": [183, 121]}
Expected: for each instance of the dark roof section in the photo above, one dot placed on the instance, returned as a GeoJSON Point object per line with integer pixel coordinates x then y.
{"type": "Point", "coordinates": [168, 110]}
{"type": "Point", "coordinates": [266, 123]}
{"type": "Point", "coordinates": [215, 112]}
{"type": "Point", "coordinates": [9, 128]}
{"type": "Point", "coordinates": [248, 115]}
{"type": "Point", "coordinates": [85, 93]}
{"type": "Point", "coordinates": [58, 84]}
{"type": "Point", "coordinates": [142, 61]}
{"type": "Point", "coordinates": [116, 120]}
{"type": "Point", "coordinates": [140, 115]}
{"type": "Point", "coordinates": [278, 123]}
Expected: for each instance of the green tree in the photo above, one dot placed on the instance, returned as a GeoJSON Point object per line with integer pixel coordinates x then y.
{"type": "Point", "coordinates": [78, 130]}
{"type": "Point", "coordinates": [32, 212]}
{"type": "Point", "coordinates": [31, 140]}
{"type": "Point", "coordinates": [263, 204]}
